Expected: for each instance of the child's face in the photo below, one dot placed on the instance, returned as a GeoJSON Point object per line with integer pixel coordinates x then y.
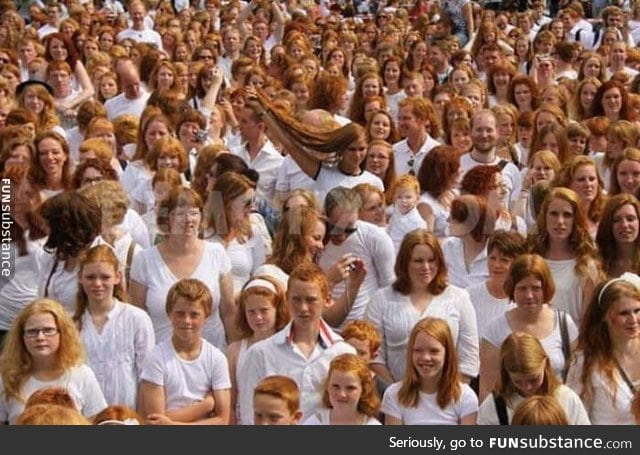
{"type": "Point", "coordinates": [270, 410]}
{"type": "Point", "coordinates": [306, 303]}
{"type": "Point", "coordinates": [428, 356]}
{"type": "Point", "coordinates": [260, 314]}
{"type": "Point", "coordinates": [363, 349]}
{"type": "Point", "coordinates": [414, 87]}
{"type": "Point", "coordinates": [345, 390]}
{"type": "Point", "coordinates": [39, 345]}
{"type": "Point", "coordinates": [187, 319]}
{"type": "Point", "coordinates": [406, 199]}
{"type": "Point", "coordinates": [98, 279]}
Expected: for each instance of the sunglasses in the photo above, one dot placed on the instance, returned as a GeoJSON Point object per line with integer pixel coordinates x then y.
{"type": "Point", "coordinates": [332, 229]}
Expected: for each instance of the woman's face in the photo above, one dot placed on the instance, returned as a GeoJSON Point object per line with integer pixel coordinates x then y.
{"type": "Point", "coordinates": [90, 176]}
{"type": "Point", "coordinates": [51, 157]}
{"type": "Point", "coordinates": [313, 242]}
{"type": "Point", "coordinates": [380, 127]}
{"type": "Point", "coordinates": [108, 87]}
{"type": "Point", "coordinates": [623, 319]}
{"type": "Point", "coordinates": [185, 220]}
{"type": "Point", "coordinates": [370, 87]}
{"type": "Point", "coordinates": [98, 280]}
{"type": "Point", "coordinates": [592, 67]}
{"type": "Point", "coordinates": [155, 131]}
{"type": "Point", "coordinates": [585, 183]}
{"type": "Point", "coordinates": [528, 294]}
{"type": "Point", "coordinates": [429, 82]}
{"type": "Point", "coordinates": [614, 147]}
{"type": "Point", "coordinates": [90, 46]}
{"type": "Point", "coordinates": [253, 50]}
{"type": "Point", "coordinates": [419, 52]}
{"type": "Point", "coordinates": [439, 102]}
{"type": "Point", "coordinates": [165, 78]}
{"type": "Point", "coordinates": [241, 206]}
{"type": "Point", "coordinates": [392, 73]}
{"type": "Point", "coordinates": [550, 96]}
{"type": "Point", "coordinates": [41, 347]}
{"type": "Point", "coordinates": [378, 160]}
{"type": "Point", "coordinates": [559, 219]}
{"type": "Point", "coordinates": [354, 155]}
{"type": "Point", "coordinates": [106, 42]}
{"type": "Point", "coordinates": [612, 102]}
{"type": "Point", "coordinates": [459, 79]}
{"type": "Point", "coordinates": [260, 314]}
{"type": "Point", "coordinates": [301, 91]}
{"type": "Point", "coordinates": [33, 102]}
{"type": "Point", "coordinates": [474, 96]}
{"type": "Point", "coordinates": [544, 118]}
{"type": "Point", "coordinates": [12, 80]}
{"type": "Point", "coordinates": [577, 145]}
{"type": "Point", "coordinates": [373, 210]}
{"type": "Point", "coordinates": [501, 80]}
{"type": "Point", "coordinates": [522, 46]}
{"type": "Point", "coordinates": [541, 171]}
{"type": "Point", "coordinates": [423, 267]}
{"type": "Point", "coordinates": [505, 126]}
{"type": "Point", "coordinates": [167, 161]}
{"type": "Point", "coordinates": [625, 224]}
{"type": "Point", "coordinates": [528, 384]}
{"type": "Point", "coordinates": [497, 192]}
{"type": "Point", "coordinates": [461, 139]}
{"type": "Point", "coordinates": [522, 96]}
{"type": "Point", "coordinates": [628, 175]}
{"type": "Point", "coordinates": [181, 53]}
{"type": "Point", "coordinates": [20, 154]}
{"type": "Point", "coordinates": [337, 57]}
{"type": "Point", "coordinates": [58, 50]}
{"type": "Point", "coordinates": [550, 142]}
{"type": "Point", "coordinates": [371, 108]}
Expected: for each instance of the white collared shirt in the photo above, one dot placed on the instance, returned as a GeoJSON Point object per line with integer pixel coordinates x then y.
{"type": "Point", "coordinates": [278, 354]}
{"type": "Point", "coordinates": [406, 160]}
{"type": "Point", "coordinates": [266, 163]}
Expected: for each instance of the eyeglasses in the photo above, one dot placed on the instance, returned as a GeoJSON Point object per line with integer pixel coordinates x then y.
{"type": "Point", "coordinates": [46, 331]}
{"type": "Point", "coordinates": [91, 180]}
{"type": "Point", "coordinates": [332, 229]}
{"type": "Point", "coordinates": [205, 57]}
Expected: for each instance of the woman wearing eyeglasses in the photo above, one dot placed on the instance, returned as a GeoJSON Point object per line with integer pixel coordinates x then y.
{"type": "Point", "coordinates": [183, 254]}
{"type": "Point", "coordinates": [43, 349]}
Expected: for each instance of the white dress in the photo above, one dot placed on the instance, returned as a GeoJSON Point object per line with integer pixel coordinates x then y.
{"type": "Point", "coordinates": [79, 381]}
{"type": "Point", "coordinates": [568, 399]}
{"type": "Point", "coordinates": [498, 330]}
{"type": "Point", "coordinates": [603, 409]}
{"type": "Point", "coordinates": [323, 417]}
{"type": "Point", "coordinates": [150, 270]}
{"type": "Point", "coordinates": [395, 316]}
{"type": "Point", "coordinates": [401, 224]}
{"type": "Point", "coordinates": [428, 412]}
{"type": "Point", "coordinates": [116, 354]}
{"type": "Point", "coordinates": [568, 295]}
{"type": "Point", "coordinates": [186, 382]}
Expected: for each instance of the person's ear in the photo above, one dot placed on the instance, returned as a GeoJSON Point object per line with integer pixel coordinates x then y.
{"type": "Point", "coordinates": [296, 417]}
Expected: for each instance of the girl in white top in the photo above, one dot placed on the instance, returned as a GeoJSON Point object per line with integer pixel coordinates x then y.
{"type": "Point", "coordinates": [350, 396]}
{"type": "Point", "coordinates": [228, 223]}
{"type": "Point", "coordinates": [606, 373]}
{"type": "Point", "coordinates": [262, 311]}
{"type": "Point", "coordinates": [525, 371]}
{"type": "Point", "coordinates": [43, 349]}
{"type": "Point", "coordinates": [563, 239]}
{"type": "Point", "coordinates": [431, 392]}
{"type": "Point", "coordinates": [405, 217]}
{"type": "Point", "coordinates": [421, 289]}
{"type": "Point", "coordinates": [117, 336]}
{"type": "Point", "coordinates": [531, 287]}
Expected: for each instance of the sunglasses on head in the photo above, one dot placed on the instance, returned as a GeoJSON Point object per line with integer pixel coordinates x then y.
{"type": "Point", "coordinates": [332, 229]}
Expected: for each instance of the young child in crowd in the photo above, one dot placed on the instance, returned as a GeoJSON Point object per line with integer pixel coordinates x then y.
{"type": "Point", "coordinates": [261, 313]}
{"type": "Point", "coordinates": [117, 336]}
{"type": "Point", "coordinates": [431, 392]}
{"type": "Point", "coordinates": [185, 379]}
{"type": "Point", "coordinates": [405, 217]}
{"type": "Point", "coordinates": [350, 397]}
{"type": "Point", "coordinates": [276, 401]}
{"type": "Point", "coordinates": [365, 338]}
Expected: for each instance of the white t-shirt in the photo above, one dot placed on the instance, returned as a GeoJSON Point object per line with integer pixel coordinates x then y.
{"type": "Point", "coordinates": [79, 381]}
{"type": "Point", "coordinates": [116, 354]}
{"type": "Point", "coordinates": [394, 316]}
{"type": "Point", "coordinates": [186, 382]}
{"type": "Point", "coordinates": [487, 306]}
{"type": "Point", "coordinates": [498, 330]}
{"type": "Point", "coordinates": [120, 104]}
{"type": "Point", "coordinates": [459, 273]}
{"type": "Point", "coordinates": [428, 412]}
{"type": "Point", "coordinates": [329, 178]}
{"type": "Point", "coordinates": [568, 399]}
{"type": "Point", "coordinates": [568, 295]}
{"type": "Point", "coordinates": [401, 224]}
{"type": "Point", "coordinates": [150, 270]}
{"type": "Point", "coordinates": [323, 417]}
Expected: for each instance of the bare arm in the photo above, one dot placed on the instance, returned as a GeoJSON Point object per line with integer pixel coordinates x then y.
{"type": "Point", "coordinates": [228, 306]}
{"type": "Point", "coordinates": [388, 420]}
{"type": "Point", "coordinates": [469, 420]}
{"type": "Point", "coordinates": [137, 294]}
{"type": "Point", "coordinates": [209, 100]}
{"type": "Point", "coordinates": [194, 412]}
{"type": "Point", "coordinates": [152, 399]}
{"type": "Point", "coordinates": [232, 358]}
{"type": "Point", "coordinates": [336, 313]}
{"type": "Point", "coordinates": [382, 372]}
{"type": "Point", "coordinates": [278, 18]}
{"type": "Point", "coordinates": [467, 11]}
{"type": "Point", "coordinates": [426, 212]}
{"type": "Point", "coordinates": [489, 367]}
{"type": "Point", "coordinates": [86, 91]}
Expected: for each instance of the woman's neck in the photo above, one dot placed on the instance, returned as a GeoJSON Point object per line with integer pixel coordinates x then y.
{"type": "Point", "coordinates": [54, 182]}
{"type": "Point", "coordinates": [495, 286]}
{"type": "Point", "coordinates": [472, 246]}
{"type": "Point", "coordinates": [528, 317]}
{"type": "Point", "coordinates": [559, 250]}
{"type": "Point", "coordinates": [100, 307]}
{"type": "Point", "coordinates": [181, 243]}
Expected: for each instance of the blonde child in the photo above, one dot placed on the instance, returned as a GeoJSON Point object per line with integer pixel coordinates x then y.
{"type": "Point", "coordinates": [185, 379]}
{"type": "Point", "coordinates": [405, 217]}
{"type": "Point", "coordinates": [116, 336]}
{"type": "Point", "coordinates": [276, 401]}
{"type": "Point", "coordinates": [350, 396]}
{"type": "Point", "coordinates": [261, 313]}
{"type": "Point", "coordinates": [431, 392]}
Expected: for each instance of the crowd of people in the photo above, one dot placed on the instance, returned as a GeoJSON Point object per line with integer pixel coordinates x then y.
{"type": "Point", "coordinates": [320, 212]}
